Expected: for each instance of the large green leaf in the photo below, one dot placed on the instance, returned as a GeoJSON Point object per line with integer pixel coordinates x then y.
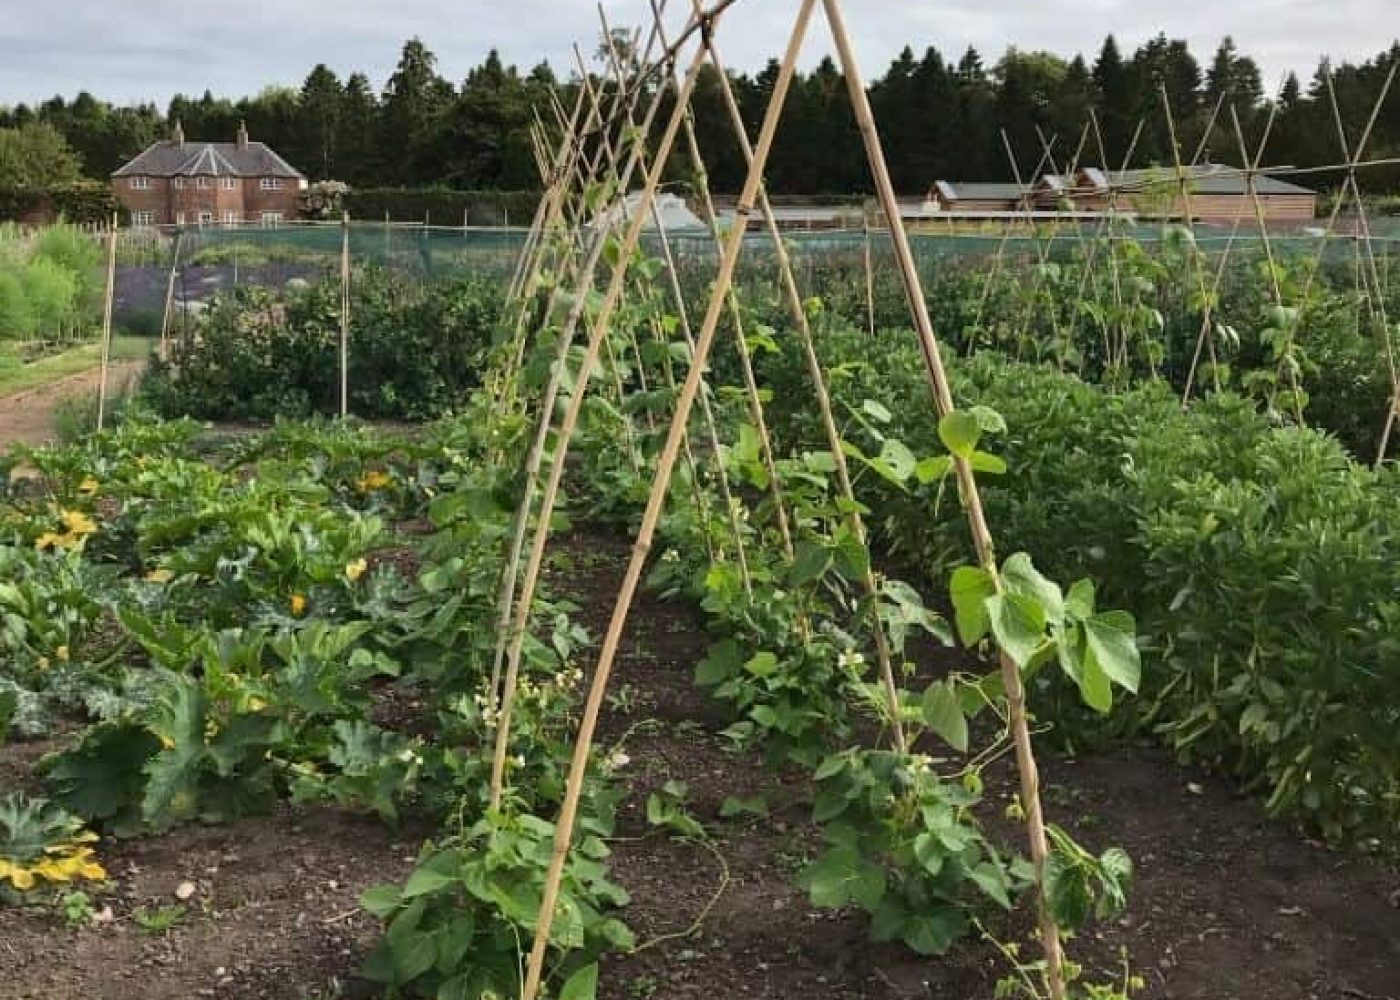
{"type": "Point", "coordinates": [943, 713]}
{"type": "Point", "coordinates": [582, 985]}
{"type": "Point", "coordinates": [970, 588]}
{"type": "Point", "coordinates": [1112, 640]}
{"type": "Point", "coordinates": [842, 876]}
{"type": "Point", "coordinates": [1018, 623]}
{"type": "Point", "coordinates": [809, 563]}
{"type": "Point", "coordinates": [959, 431]}
{"type": "Point", "coordinates": [1021, 577]}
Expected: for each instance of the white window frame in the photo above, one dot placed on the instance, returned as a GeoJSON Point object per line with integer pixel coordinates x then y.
{"type": "Point", "coordinates": [228, 183]}
{"type": "Point", "coordinates": [205, 218]}
{"type": "Point", "coordinates": [230, 217]}
{"type": "Point", "coordinates": [201, 182]}
{"type": "Point", "coordinates": [270, 184]}
{"type": "Point", "coordinates": [143, 219]}
{"type": "Point", "coordinates": [179, 218]}
{"type": "Point", "coordinates": [178, 182]}
{"type": "Point", "coordinates": [271, 220]}
{"type": "Point", "coordinates": [140, 183]}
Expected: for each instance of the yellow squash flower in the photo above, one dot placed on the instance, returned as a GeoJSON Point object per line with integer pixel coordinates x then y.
{"type": "Point", "coordinates": [88, 486]}
{"type": "Point", "coordinates": [298, 605]}
{"type": "Point", "coordinates": [355, 569]}
{"type": "Point", "coordinates": [62, 653]}
{"type": "Point", "coordinates": [78, 523]}
{"type": "Point", "coordinates": [160, 576]}
{"type": "Point", "coordinates": [374, 480]}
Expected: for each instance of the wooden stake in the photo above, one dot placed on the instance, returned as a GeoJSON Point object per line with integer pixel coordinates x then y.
{"type": "Point", "coordinates": [107, 299]}
{"type": "Point", "coordinates": [169, 300]}
{"type": "Point", "coordinates": [564, 826]}
{"type": "Point", "coordinates": [344, 315]}
{"type": "Point", "coordinates": [824, 408]}
{"type": "Point", "coordinates": [534, 459]}
{"type": "Point", "coordinates": [967, 482]}
{"type": "Point", "coordinates": [869, 278]}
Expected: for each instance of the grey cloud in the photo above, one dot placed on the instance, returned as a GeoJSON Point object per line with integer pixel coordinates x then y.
{"type": "Point", "coordinates": [126, 50]}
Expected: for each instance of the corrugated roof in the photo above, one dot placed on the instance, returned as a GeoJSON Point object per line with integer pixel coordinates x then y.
{"type": "Point", "coordinates": [1210, 178]}
{"type": "Point", "coordinates": [169, 158]}
{"type": "Point", "coordinates": [980, 191]}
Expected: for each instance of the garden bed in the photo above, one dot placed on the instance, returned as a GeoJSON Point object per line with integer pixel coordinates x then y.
{"type": "Point", "coordinates": [1226, 903]}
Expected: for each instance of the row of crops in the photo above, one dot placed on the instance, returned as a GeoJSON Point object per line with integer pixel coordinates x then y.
{"type": "Point", "coordinates": [220, 621]}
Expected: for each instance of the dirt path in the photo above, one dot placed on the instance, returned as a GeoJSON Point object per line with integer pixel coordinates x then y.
{"type": "Point", "coordinates": [28, 417]}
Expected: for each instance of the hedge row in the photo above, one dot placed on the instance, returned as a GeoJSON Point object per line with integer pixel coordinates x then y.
{"type": "Point", "coordinates": [78, 202]}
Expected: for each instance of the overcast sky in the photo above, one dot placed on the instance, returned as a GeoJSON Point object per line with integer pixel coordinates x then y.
{"type": "Point", "coordinates": [129, 51]}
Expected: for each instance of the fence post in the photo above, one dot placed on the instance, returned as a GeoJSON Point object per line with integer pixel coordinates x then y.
{"type": "Point", "coordinates": [107, 322]}
{"type": "Point", "coordinates": [344, 315]}
{"type": "Point", "coordinates": [169, 299]}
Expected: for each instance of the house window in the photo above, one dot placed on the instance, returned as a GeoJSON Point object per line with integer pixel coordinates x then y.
{"type": "Point", "coordinates": [205, 218]}
{"type": "Point", "coordinates": [271, 184]}
{"type": "Point", "coordinates": [140, 183]}
{"type": "Point", "coordinates": [178, 182]}
{"type": "Point", "coordinates": [227, 183]}
{"type": "Point", "coordinates": [271, 219]}
{"type": "Point", "coordinates": [143, 219]}
{"type": "Point", "coordinates": [179, 218]}
{"type": "Point", "coordinates": [230, 218]}
{"type": "Point", "coordinates": [201, 182]}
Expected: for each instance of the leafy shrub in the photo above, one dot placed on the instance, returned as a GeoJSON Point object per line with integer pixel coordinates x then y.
{"type": "Point", "coordinates": [414, 352]}
{"type": "Point", "coordinates": [1259, 561]}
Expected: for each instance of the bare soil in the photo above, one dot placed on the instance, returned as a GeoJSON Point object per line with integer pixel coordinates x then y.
{"type": "Point", "coordinates": [28, 417]}
{"type": "Point", "coordinates": [1228, 905]}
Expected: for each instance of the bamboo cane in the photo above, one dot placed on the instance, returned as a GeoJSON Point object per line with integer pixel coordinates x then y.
{"type": "Point", "coordinates": [972, 501]}
{"type": "Point", "coordinates": [563, 832]}
{"type": "Point", "coordinates": [1375, 293]}
{"type": "Point", "coordinates": [731, 504]}
{"type": "Point", "coordinates": [525, 597]}
{"type": "Point", "coordinates": [823, 397]}
{"type": "Point", "coordinates": [534, 458]}
{"type": "Point", "coordinates": [108, 296]}
{"type": "Point", "coordinates": [869, 276]}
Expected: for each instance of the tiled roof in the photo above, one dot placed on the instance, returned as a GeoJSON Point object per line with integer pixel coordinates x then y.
{"type": "Point", "coordinates": [169, 158]}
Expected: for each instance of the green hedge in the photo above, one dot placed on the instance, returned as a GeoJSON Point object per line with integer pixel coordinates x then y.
{"type": "Point", "coordinates": [443, 207]}
{"type": "Point", "coordinates": [80, 202]}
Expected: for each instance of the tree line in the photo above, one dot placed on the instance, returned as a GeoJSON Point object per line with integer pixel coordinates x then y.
{"type": "Point", "coordinates": [940, 118]}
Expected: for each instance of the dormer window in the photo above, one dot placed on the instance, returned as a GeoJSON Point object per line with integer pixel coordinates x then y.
{"type": "Point", "coordinates": [140, 183]}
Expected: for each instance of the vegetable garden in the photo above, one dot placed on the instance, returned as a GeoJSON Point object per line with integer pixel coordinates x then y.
{"type": "Point", "coordinates": [707, 632]}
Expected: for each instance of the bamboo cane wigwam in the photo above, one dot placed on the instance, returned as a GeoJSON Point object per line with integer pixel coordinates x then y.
{"type": "Point", "coordinates": [635, 149]}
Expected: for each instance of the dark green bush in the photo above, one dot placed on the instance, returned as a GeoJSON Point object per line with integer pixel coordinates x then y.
{"type": "Point", "coordinates": [1262, 563]}
{"type": "Point", "coordinates": [414, 352]}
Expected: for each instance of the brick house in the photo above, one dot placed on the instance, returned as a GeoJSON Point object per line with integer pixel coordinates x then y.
{"type": "Point", "coordinates": [181, 183]}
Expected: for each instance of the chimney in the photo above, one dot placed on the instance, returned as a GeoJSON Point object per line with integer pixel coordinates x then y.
{"type": "Point", "coordinates": [177, 134]}
{"type": "Point", "coordinates": [242, 135]}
